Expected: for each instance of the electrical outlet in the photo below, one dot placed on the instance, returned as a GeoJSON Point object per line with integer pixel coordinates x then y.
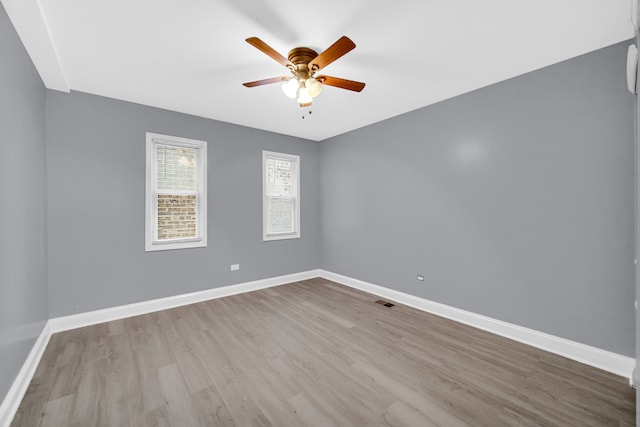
{"type": "Point", "coordinates": [235, 267]}
{"type": "Point", "coordinates": [420, 278]}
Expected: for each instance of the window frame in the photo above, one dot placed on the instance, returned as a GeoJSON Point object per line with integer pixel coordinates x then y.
{"type": "Point", "coordinates": [265, 200]}
{"type": "Point", "coordinates": [151, 212]}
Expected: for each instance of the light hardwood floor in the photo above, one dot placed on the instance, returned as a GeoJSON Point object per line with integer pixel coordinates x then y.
{"type": "Point", "coordinates": [310, 353]}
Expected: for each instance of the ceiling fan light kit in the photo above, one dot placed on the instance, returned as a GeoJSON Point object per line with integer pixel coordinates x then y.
{"type": "Point", "coordinates": [303, 63]}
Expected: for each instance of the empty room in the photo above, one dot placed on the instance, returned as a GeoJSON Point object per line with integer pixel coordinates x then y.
{"type": "Point", "coordinates": [279, 213]}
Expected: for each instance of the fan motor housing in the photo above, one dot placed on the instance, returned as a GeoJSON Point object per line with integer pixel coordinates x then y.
{"type": "Point", "coordinates": [300, 57]}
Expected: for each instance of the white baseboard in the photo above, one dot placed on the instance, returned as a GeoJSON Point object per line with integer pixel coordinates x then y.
{"type": "Point", "coordinates": [19, 387]}
{"type": "Point", "coordinates": [80, 320]}
{"type": "Point", "coordinates": [602, 359]}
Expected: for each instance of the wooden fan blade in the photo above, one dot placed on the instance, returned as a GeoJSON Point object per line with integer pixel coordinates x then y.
{"type": "Point", "coordinates": [265, 81]}
{"type": "Point", "coordinates": [268, 50]}
{"type": "Point", "coordinates": [341, 83]}
{"type": "Point", "coordinates": [342, 46]}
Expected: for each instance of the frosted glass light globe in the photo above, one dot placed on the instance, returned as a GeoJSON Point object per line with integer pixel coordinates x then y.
{"type": "Point", "coordinates": [314, 87]}
{"type": "Point", "coordinates": [304, 97]}
{"type": "Point", "coordinates": [290, 88]}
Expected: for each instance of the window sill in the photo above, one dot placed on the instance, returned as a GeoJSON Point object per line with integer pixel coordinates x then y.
{"type": "Point", "coordinates": [175, 244]}
{"type": "Point", "coordinates": [283, 236]}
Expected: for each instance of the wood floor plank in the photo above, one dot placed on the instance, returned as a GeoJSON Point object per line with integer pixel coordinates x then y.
{"type": "Point", "coordinates": [91, 391]}
{"type": "Point", "coordinates": [192, 371]}
{"type": "Point", "coordinates": [210, 408]}
{"type": "Point", "coordinates": [179, 401]}
{"type": "Point", "coordinates": [310, 353]}
{"type": "Point", "coordinates": [147, 375]}
{"type": "Point", "coordinates": [158, 417]}
{"type": "Point", "coordinates": [410, 397]}
{"type": "Point", "coordinates": [402, 415]}
{"type": "Point", "coordinates": [308, 413]}
{"type": "Point", "coordinates": [57, 412]}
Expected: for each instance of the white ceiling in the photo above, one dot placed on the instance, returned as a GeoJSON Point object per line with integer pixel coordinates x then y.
{"type": "Point", "coordinates": [191, 56]}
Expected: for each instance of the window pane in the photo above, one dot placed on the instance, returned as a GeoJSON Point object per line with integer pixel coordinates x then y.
{"type": "Point", "coordinates": [280, 200]}
{"type": "Point", "coordinates": [280, 177]}
{"type": "Point", "coordinates": [176, 216]}
{"type": "Point", "coordinates": [176, 193]}
{"type": "Point", "coordinates": [176, 168]}
{"type": "Point", "coordinates": [176, 173]}
{"type": "Point", "coordinates": [281, 215]}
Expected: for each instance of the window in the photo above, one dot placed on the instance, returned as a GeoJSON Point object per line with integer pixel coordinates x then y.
{"type": "Point", "coordinates": [281, 196]}
{"type": "Point", "coordinates": [176, 193]}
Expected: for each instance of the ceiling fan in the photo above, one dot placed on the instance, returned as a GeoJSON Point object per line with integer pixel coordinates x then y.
{"type": "Point", "coordinates": [303, 64]}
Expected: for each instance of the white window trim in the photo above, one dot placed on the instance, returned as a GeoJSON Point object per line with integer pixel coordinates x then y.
{"type": "Point", "coordinates": [150, 225]}
{"type": "Point", "coordinates": [265, 203]}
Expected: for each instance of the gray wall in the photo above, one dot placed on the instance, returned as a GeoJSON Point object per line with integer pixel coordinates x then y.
{"type": "Point", "coordinates": [514, 201]}
{"type": "Point", "coordinates": [23, 273]}
{"type": "Point", "coordinates": [96, 184]}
